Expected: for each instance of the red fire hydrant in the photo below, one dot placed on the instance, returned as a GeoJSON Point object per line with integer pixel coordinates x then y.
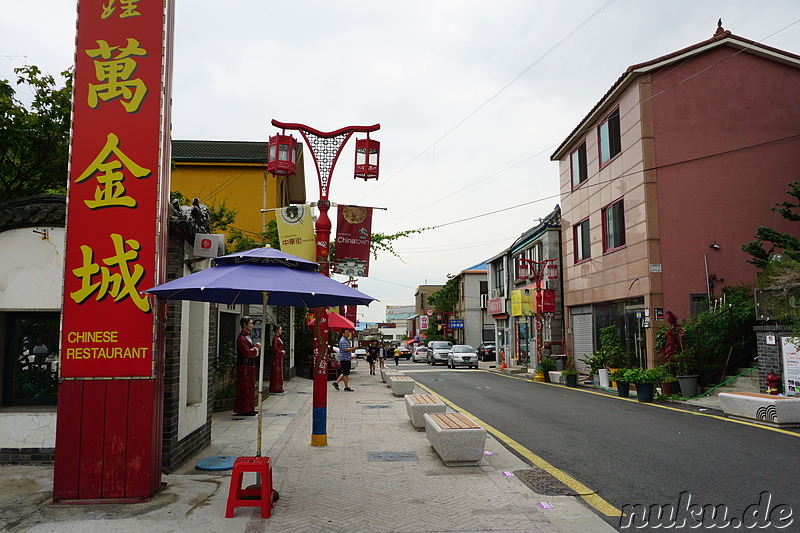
{"type": "Point", "coordinates": [772, 384]}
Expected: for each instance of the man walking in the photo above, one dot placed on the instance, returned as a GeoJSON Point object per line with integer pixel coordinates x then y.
{"type": "Point", "coordinates": [345, 360]}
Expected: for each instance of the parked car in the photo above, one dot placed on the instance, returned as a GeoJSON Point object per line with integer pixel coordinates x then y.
{"type": "Point", "coordinates": [404, 352]}
{"type": "Point", "coordinates": [486, 352]}
{"type": "Point", "coordinates": [438, 351]}
{"type": "Point", "coordinates": [462, 354]}
{"type": "Point", "coordinates": [360, 353]}
{"type": "Point", "coordinates": [420, 354]}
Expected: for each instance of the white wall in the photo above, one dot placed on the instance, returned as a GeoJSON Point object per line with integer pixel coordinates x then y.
{"type": "Point", "coordinates": [28, 429]}
{"type": "Point", "coordinates": [31, 272]}
{"type": "Point", "coordinates": [193, 394]}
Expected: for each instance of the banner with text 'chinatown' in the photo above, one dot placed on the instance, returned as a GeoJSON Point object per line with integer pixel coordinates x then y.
{"type": "Point", "coordinates": [353, 237]}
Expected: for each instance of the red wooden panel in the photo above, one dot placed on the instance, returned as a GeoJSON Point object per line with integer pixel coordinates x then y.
{"type": "Point", "coordinates": [141, 453]}
{"type": "Point", "coordinates": [92, 431]}
{"type": "Point", "coordinates": [116, 434]}
{"type": "Point", "coordinates": [68, 441]}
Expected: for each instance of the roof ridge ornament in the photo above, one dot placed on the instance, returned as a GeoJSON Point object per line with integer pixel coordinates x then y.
{"type": "Point", "coordinates": [720, 29]}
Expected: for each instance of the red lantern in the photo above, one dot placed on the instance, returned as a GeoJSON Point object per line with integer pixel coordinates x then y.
{"type": "Point", "coordinates": [367, 158]}
{"type": "Point", "coordinates": [282, 155]}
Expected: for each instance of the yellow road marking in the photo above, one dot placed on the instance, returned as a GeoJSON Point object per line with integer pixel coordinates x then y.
{"type": "Point", "coordinates": [582, 490]}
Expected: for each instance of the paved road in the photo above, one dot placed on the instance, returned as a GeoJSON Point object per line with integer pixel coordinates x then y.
{"type": "Point", "coordinates": [631, 453]}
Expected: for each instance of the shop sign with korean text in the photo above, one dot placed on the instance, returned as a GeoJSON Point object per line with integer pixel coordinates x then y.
{"type": "Point", "coordinates": [115, 189]}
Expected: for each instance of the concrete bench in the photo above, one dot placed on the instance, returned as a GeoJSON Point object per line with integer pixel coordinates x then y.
{"type": "Point", "coordinates": [775, 411]}
{"type": "Point", "coordinates": [458, 440]}
{"type": "Point", "coordinates": [419, 404]}
{"type": "Point", "coordinates": [401, 385]}
{"type": "Point", "coordinates": [386, 372]}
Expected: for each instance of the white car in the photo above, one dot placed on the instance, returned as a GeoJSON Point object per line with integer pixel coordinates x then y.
{"type": "Point", "coordinates": [420, 354]}
{"type": "Point", "coordinates": [462, 354]}
{"type": "Point", "coordinates": [359, 353]}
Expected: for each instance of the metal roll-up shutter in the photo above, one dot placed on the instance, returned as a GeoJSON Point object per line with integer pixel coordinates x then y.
{"type": "Point", "coordinates": [582, 336]}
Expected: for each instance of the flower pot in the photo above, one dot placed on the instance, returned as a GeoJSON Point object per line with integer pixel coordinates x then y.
{"type": "Point", "coordinates": [667, 388]}
{"type": "Point", "coordinates": [688, 386]}
{"type": "Point", "coordinates": [623, 389]}
{"type": "Point", "coordinates": [603, 374]}
{"type": "Point", "coordinates": [546, 377]}
{"type": "Point", "coordinates": [572, 380]}
{"type": "Point", "coordinates": [644, 392]}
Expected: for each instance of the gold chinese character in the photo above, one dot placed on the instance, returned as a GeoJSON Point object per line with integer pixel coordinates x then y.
{"type": "Point", "coordinates": [120, 284]}
{"type": "Point", "coordinates": [116, 75]}
{"type": "Point", "coordinates": [129, 8]}
{"type": "Point", "coordinates": [108, 10]}
{"type": "Point", "coordinates": [110, 191]}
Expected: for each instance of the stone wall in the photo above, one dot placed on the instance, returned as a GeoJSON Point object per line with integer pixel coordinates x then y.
{"type": "Point", "coordinates": [769, 355]}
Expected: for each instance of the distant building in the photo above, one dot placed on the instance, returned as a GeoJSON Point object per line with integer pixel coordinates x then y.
{"type": "Point", "coordinates": [398, 313]}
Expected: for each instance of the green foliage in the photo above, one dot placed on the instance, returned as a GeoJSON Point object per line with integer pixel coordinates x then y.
{"type": "Point", "coordinates": [547, 364]}
{"type": "Point", "coordinates": [382, 242]}
{"type": "Point", "coordinates": [618, 375]}
{"type": "Point", "coordinates": [611, 350]}
{"type": "Point", "coordinates": [226, 371]}
{"type": "Point", "coordinates": [34, 138]}
{"type": "Point", "coordinates": [665, 374]}
{"type": "Point", "coordinates": [445, 299]}
{"type": "Point", "coordinates": [569, 368]}
{"type": "Point", "coordinates": [641, 375]}
{"type": "Point", "coordinates": [788, 243]}
{"type": "Point", "coordinates": [595, 361]}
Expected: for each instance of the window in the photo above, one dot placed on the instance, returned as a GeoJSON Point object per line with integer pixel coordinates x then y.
{"type": "Point", "coordinates": [614, 226]}
{"type": "Point", "coordinates": [609, 138]}
{"type": "Point", "coordinates": [499, 280]}
{"type": "Point", "coordinates": [577, 160]}
{"type": "Point", "coordinates": [580, 234]}
{"type": "Point", "coordinates": [30, 374]}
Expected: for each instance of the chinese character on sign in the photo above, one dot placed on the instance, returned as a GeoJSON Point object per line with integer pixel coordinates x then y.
{"type": "Point", "coordinates": [127, 9]}
{"type": "Point", "coordinates": [119, 285]}
{"type": "Point", "coordinates": [115, 74]}
{"type": "Point", "coordinates": [110, 191]}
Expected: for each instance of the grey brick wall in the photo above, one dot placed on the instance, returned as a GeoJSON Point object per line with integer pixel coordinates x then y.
{"type": "Point", "coordinates": [769, 355]}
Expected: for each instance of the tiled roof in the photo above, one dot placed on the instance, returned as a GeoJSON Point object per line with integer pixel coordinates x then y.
{"type": "Point", "coordinates": [552, 220]}
{"type": "Point", "coordinates": [721, 38]}
{"type": "Point", "coordinates": [220, 151]}
{"type": "Point", "coordinates": [33, 211]}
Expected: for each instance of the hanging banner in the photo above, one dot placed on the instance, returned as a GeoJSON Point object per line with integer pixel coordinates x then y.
{"type": "Point", "coordinates": [296, 231]}
{"type": "Point", "coordinates": [353, 237]}
{"type": "Point", "coordinates": [117, 185]}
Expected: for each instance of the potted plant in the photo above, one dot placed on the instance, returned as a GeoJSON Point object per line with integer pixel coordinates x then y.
{"type": "Point", "coordinates": [570, 372]}
{"type": "Point", "coordinates": [547, 365]}
{"type": "Point", "coordinates": [611, 350]}
{"type": "Point", "coordinates": [645, 380]}
{"type": "Point", "coordinates": [666, 379]}
{"type": "Point", "coordinates": [680, 356]}
{"type": "Point", "coordinates": [623, 387]}
{"type": "Point", "coordinates": [595, 362]}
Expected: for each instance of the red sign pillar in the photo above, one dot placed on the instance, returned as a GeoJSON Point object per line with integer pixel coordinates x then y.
{"type": "Point", "coordinates": [108, 433]}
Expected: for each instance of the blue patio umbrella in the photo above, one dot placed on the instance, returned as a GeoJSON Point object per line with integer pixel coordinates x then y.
{"type": "Point", "coordinates": [264, 276]}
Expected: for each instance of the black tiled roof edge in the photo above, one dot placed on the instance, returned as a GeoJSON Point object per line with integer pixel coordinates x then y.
{"type": "Point", "coordinates": [33, 211]}
{"type": "Point", "coordinates": [221, 151]}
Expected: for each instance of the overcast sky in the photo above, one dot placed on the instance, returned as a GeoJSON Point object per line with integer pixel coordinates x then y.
{"type": "Point", "coordinates": [472, 97]}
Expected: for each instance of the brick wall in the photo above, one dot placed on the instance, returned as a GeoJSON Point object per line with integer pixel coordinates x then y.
{"type": "Point", "coordinates": [769, 355]}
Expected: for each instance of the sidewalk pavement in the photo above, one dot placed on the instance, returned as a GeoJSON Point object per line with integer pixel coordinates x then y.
{"type": "Point", "coordinates": [350, 485]}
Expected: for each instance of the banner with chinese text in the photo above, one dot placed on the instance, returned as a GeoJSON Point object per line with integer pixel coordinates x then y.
{"type": "Point", "coordinates": [353, 237]}
{"type": "Point", "coordinates": [117, 149]}
{"type": "Point", "coordinates": [296, 231]}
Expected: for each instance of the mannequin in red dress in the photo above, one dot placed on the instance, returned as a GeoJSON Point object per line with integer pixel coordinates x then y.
{"type": "Point", "coordinates": [245, 399]}
{"type": "Point", "coordinates": [276, 370]}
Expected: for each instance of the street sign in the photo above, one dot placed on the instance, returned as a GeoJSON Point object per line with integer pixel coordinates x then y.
{"type": "Point", "coordinates": [429, 312]}
{"type": "Point", "coordinates": [456, 323]}
{"type": "Point", "coordinates": [423, 322]}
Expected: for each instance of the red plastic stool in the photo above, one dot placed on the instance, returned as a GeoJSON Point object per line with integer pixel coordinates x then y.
{"type": "Point", "coordinates": [251, 497]}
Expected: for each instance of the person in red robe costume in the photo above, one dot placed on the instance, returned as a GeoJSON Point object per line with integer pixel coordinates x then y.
{"type": "Point", "coordinates": [276, 370]}
{"type": "Point", "coordinates": [244, 403]}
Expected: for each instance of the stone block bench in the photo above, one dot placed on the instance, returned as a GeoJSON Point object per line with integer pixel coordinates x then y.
{"type": "Point", "coordinates": [775, 411]}
{"type": "Point", "coordinates": [401, 385]}
{"type": "Point", "coordinates": [419, 404]}
{"type": "Point", "coordinates": [556, 376]}
{"type": "Point", "coordinates": [458, 440]}
{"type": "Point", "coordinates": [385, 372]}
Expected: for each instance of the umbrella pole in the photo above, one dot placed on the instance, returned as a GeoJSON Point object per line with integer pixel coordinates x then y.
{"type": "Point", "coordinates": [265, 296]}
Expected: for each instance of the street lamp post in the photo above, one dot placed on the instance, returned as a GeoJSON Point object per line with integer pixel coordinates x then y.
{"type": "Point", "coordinates": [537, 272]}
{"type": "Point", "coordinates": [325, 148]}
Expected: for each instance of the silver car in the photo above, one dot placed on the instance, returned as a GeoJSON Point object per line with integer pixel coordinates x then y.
{"type": "Point", "coordinates": [420, 354]}
{"type": "Point", "coordinates": [462, 354]}
{"type": "Point", "coordinates": [438, 351]}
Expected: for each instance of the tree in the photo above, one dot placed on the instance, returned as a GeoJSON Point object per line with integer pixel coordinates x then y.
{"type": "Point", "coordinates": [34, 138]}
{"type": "Point", "coordinates": [786, 242]}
